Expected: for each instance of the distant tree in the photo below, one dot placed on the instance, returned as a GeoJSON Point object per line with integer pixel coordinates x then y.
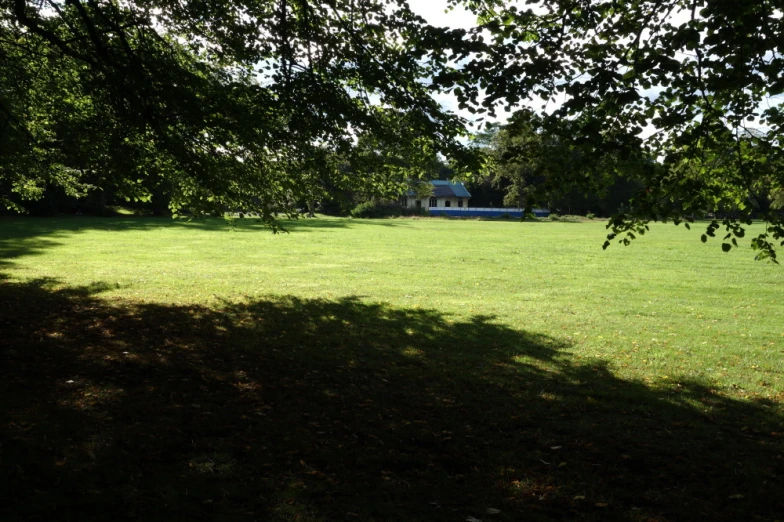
{"type": "Point", "coordinates": [420, 188]}
{"type": "Point", "coordinates": [533, 162]}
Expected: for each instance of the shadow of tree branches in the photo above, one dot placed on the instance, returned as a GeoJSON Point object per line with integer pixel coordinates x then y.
{"type": "Point", "coordinates": [343, 410]}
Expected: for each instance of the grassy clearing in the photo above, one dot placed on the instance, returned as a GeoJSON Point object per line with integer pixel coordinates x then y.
{"type": "Point", "coordinates": [388, 370]}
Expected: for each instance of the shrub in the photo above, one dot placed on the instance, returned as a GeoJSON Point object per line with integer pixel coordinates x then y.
{"type": "Point", "coordinates": [590, 215]}
{"type": "Point", "coordinates": [554, 217]}
{"type": "Point", "coordinates": [369, 209]}
{"type": "Point", "coordinates": [372, 210]}
{"type": "Point", "coordinates": [335, 207]}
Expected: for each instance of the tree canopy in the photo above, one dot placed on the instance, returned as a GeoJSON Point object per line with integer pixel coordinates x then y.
{"type": "Point", "coordinates": [256, 104]}
{"type": "Point", "coordinates": [694, 83]}
{"type": "Point", "coordinates": [535, 163]}
{"type": "Point", "coordinates": [232, 105]}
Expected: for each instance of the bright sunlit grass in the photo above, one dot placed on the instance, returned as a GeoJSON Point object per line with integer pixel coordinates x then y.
{"type": "Point", "coordinates": [667, 306]}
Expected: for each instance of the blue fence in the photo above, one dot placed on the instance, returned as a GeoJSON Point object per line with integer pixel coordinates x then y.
{"type": "Point", "coordinates": [485, 212]}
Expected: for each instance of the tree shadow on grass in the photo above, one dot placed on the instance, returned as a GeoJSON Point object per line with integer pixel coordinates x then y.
{"type": "Point", "coordinates": [343, 410]}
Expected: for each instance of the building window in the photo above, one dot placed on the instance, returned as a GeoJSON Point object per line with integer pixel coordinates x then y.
{"type": "Point", "coordinates": [460, 203]}
{"type": "Point", "coordinates": [448, 203]}
{"type": "Point", "coordinates": [433, 202]}
{"type": "Point", "coordinates": [404, 201]}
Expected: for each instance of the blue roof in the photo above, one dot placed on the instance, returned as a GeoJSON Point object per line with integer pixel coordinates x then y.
{"type": "Point", "coordinates": [449, 189]}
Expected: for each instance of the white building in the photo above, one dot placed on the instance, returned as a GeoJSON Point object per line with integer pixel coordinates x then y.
{"type": "Point", "coordinates": [446, 194]}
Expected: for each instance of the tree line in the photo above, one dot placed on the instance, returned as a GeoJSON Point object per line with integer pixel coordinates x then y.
{"type": "Point", "coordinates": [261, 104]}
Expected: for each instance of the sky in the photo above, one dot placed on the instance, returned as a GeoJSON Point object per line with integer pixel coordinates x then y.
{"type": "Point", "coordinates": [434, 11]}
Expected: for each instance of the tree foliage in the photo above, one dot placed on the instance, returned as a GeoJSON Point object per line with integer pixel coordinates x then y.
{"type": "Point", "coordinates": [234, 105]}
{"type": "Point", "coordinates": [536, 163]}
{"type": "Point", "coordinates": [528, 162]}
{"type": "Point", "coordinates": [686, 79]}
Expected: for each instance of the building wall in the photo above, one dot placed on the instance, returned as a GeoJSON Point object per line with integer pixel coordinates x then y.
{"type": "Point", "coordinates": [490, 212]}
{"type": "Point", "coordinates": [441, 202]}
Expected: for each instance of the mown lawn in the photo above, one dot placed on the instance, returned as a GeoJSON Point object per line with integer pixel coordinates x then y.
{"type": "Point", "coordinates": [385, 370]}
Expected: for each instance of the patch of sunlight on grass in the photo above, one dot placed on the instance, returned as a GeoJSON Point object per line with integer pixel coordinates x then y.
{"type": "Point", "coordinates": [667, 305]}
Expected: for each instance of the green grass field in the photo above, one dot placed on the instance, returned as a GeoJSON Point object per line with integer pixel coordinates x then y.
{"type": "Point", "coordinates": [407, 369]}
